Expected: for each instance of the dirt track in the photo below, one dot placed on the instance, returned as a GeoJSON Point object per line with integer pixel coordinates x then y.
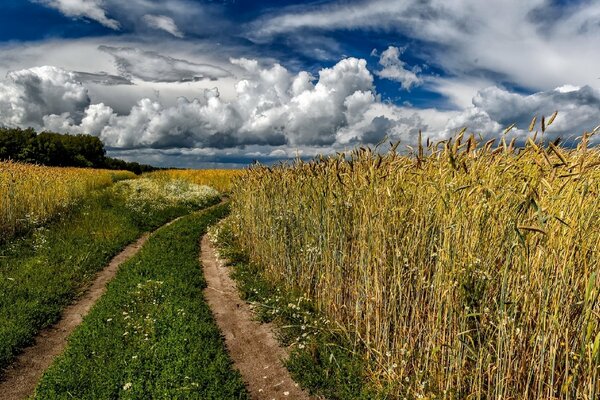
{"type": "Point", "coordinates": [252, 345]}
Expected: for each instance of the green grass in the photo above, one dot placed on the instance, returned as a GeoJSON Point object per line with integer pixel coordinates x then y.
{"type": "Point", "coordinates": [152, 335]}
{"type": "Point", "coordinates": [43, 271]}
{"type": "Point", "coordinates": [322, 360]}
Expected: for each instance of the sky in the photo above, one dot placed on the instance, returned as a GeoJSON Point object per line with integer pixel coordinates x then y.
{"type": "Point", "coordinates": [221, 83]}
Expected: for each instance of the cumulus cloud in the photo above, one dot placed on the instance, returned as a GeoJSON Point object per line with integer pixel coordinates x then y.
{"type": "Point", "coordinates": [154, 67]}
{"type": "Point", "coordinates": [277, 112]}
{"type": "Point", "coordinates": [273, 107]}
{"type": "Point", "coordinates": [162, 22]}
{"type": "Point", "coordinates": [90, 9]}
{"type": "Point", "coordinates": [380, 121]}
{"type": "Point", "coordinates": [94, 120]}
{"type": "Point", "coordinates": [27, 96]}
{"type": "Point", "coordinates": [395, 69]}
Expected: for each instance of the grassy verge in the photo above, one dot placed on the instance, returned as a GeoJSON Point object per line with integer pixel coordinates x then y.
{"type": "Point", "coordinates": [322, 359]}
{"type": "Point", "coordinates": [45, 270]}
{"type": "Point", "coordinates": [151, 335]}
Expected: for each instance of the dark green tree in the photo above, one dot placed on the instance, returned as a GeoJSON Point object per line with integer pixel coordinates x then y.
{"type": "Point", "coordinates": [54, 149]}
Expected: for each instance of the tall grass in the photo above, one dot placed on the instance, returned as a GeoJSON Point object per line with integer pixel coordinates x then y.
{"type": "Point", "coordinates": [220, 179]}
{"type": "Point", "coordinates": [31, 194]}
{"type": "Point", "coordinates": [463, 270]}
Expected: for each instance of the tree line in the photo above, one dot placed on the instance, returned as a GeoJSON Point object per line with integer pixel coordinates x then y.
{"type": "Point", "coordinates": [58, 150]}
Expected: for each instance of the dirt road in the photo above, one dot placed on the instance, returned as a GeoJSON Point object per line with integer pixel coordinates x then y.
{"type": "Point", "coordinates": [251, 344]}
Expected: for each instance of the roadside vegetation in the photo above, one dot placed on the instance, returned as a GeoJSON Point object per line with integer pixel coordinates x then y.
{"type": "Point", "coordinates": [46, 267]}
{"type": "Point", "coordinates": [145, 197]}
{"type": "Point", "coordinates": [323, 359]}
{"type": "Point", "coordinates": [151, 335]}
{"type": "Point", "coordinates": [466, 270]}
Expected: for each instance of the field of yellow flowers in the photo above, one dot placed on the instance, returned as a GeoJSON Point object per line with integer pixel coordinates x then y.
{"type": "Point", "coordinates": [466, 270]}
{"type": "Point", "coordinates": [31, 195]}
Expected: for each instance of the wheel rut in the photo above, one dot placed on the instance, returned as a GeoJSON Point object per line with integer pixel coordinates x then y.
{"type": "Point", "coordinates": [251, 344]}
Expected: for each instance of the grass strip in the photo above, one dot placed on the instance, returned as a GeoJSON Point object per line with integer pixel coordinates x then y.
{"type": "Point", "coordinates": [42, 272]}
{"type": "Point", "coordinates": [152, 335]}
{"type": "Point", "coordinates": [322, 359]}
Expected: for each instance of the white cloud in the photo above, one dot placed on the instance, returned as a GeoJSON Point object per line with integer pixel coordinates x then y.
{"type": "Point", "coordinates": [154, 67]}
{"type": "Point", "coordinates": [395, 69]}
{"type": "Point", "coordinates": [381, 120]}
{"type": "Point", "coordinates": [84, 55]}
{"type": "Point", "coordinates": [567, 88]}
{"type": "Point", "coordinates": [277, 111]}
{"type": "Point", "coordinates": [91, 9]}
{"type": "Point", "coordinates": [273, 107]}
{"type": "Point", "coordinates": [97, 117]}
{"type": "Point", "coordinates": [195, 17]}
{"type": "Point", "coordinates": [164, 23]}
{"type": "Point", "coordinates": [374, 13]}
{"type": "Point", "coordinates": [476, 121]}
{"type": "Point", "coordinates": [536, 44]}
{"type": "Point", "coordinates": [459, 91]}
{"type": "Point", "coordinates": [27, 96]}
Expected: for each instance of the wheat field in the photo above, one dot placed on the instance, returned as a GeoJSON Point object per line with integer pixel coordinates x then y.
{"type": "Point", "coordinates": [31, 195]}
{"type": "Point", "coordinates": [465, 270]}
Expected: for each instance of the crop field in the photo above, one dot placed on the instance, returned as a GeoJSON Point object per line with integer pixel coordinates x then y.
{"type": "Point", "coordinates": [31, 195]}
{"type": "Point", "coordinates": [299, 200]}
{"type": "Point", "coordinates": [462, 271]}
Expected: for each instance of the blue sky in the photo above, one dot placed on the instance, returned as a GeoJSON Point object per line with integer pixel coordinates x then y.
{"type": "Point", "coordinates": [220, 83]}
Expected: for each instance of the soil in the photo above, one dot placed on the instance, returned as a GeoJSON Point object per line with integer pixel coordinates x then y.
{"type": "Point", "coordinates": [251, 344]}
{"type": "Point", "coordinates": [23, 375]}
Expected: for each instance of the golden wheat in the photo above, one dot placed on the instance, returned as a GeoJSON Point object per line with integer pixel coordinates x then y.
{"type": "Point", "coordinates": [31, 195]}
{"type": "Point", "coordinates": [471, 272]}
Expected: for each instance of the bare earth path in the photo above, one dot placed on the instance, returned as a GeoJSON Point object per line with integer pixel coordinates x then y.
{"type": "Point", "coordinates": [22, 377]}
{"type": "Point", "coordinates": [251, 344]}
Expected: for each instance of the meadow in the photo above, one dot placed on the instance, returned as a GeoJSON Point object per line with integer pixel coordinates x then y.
{"type": "Point", "coordinates": [219, 179]}
{"type": "Point", "coordinates": [463, 270]}
{"type": "Point", "coordinates": [152, 335]}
